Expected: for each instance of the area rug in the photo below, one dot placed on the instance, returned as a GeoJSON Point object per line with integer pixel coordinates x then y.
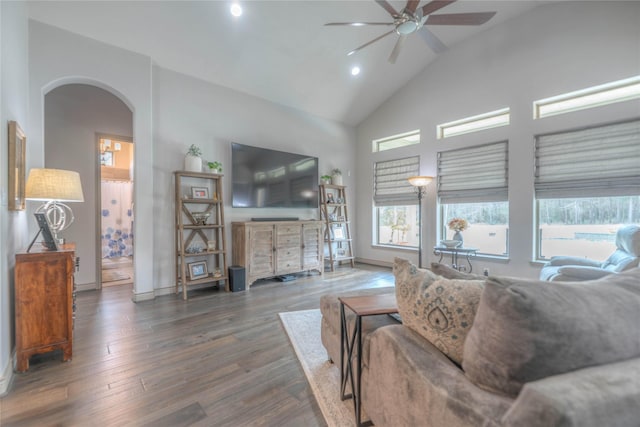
{"type": "Point", "coordinates": [303, 328]}
{"type": "Point", "coordinates": [114, 276]}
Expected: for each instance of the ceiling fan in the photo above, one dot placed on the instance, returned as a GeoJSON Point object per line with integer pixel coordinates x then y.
{"type": "Point", "coordinates": [413, 20]}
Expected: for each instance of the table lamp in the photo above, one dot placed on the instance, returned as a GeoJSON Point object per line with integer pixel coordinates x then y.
{"type": "Point", "coordinates": [420, 184]}
{"type": "Point", "coordinates": [55, 186]}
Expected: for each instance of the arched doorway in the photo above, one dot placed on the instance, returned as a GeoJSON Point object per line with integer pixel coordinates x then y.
{"type": "Point", "coordinates": [75, 114]}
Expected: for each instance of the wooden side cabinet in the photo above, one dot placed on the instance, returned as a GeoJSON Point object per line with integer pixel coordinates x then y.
{"type": "Point", "coordinates": [268, 249]}
{"type": "Point", "coordinates": [44, 303]}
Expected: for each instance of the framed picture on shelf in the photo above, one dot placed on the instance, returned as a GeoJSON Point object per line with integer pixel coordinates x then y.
{"type": "Point", "coordinates": [197, 270]}
{"type": "Point", "coordinates": [330, 198]}
{"type": "Point", "coordinates": [338, 233]}
{"type": "Point", "coordinates": [199, 193]}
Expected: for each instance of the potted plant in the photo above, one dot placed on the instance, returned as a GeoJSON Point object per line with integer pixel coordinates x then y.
{"type": "Point", "coordinates": [192, 160]}
{"type": "Point", "coordinates": [336, 176]}
{"type": "Point", "coordinates": [325, 179]}
{"type": "Point", "coordinates": [215, 167]}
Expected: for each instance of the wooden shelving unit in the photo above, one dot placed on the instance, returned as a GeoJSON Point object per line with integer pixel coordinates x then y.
{"type": "Point", "coordinates": [334, 213]}
{"type": "Point", "coordinates": [199, 240]}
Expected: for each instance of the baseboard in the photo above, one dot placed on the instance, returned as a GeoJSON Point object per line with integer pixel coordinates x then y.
{"type": "Point", "coordinates": [374, 262]}
{"type": "Point", "coordinates": [143, 296]}
{"type": "Point", "coordinates": [7, 378]}
{"type": "Point", "coordinates": [86, 287]}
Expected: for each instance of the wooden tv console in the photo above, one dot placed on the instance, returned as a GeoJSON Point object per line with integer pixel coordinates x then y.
{"type": "Point", "coordinates": [276, 248]}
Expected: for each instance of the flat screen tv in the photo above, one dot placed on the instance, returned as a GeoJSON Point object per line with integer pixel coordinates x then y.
{"type": "Point", "coordinates": [264, 178]}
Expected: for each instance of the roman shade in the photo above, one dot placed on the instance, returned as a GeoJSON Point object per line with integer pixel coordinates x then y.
{"type": "Point", "coordinates": [596, 162]}
{"type": "Point", "coordinates": [474, 174]}
{"type": "Point", "coordinates": [391, 187]}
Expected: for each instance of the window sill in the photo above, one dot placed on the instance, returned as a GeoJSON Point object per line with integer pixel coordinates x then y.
{"type": "Point", "coordinates": [393, 247]}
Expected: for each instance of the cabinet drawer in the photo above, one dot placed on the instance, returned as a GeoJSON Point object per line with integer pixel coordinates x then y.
{"type": "Point", "coordinates": [288, 263]}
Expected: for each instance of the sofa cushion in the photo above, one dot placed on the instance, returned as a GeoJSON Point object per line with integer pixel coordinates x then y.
{"type": "Point", "coordinates": [451, 273]}
{"type": "Point", "coordinates": [526, 330]}
{"type": "Point", "coordinates": [439, 309]}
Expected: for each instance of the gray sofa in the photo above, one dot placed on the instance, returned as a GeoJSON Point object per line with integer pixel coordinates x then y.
{"type": "Point", "coordinates": [535, 354]}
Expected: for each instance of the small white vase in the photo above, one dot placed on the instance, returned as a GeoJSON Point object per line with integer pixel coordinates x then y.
{"type": "Point", "coordinates": [192, 163]}
{"type": "Point", "coordinates": [336, 179]}
{"type": "Point", "coordinates": [458, 236]}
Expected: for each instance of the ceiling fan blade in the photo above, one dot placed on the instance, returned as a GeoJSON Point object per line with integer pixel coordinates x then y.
{"type": "Point", "coordinates": [386, 6]}
{"type": "Point", "coordinates": [412, 5]}
{"type": "Point", "coordinates": [431, 7]}
{"type": "Point", "coordinates": [434, 42]}
{"type": "Point", "coordinates": [396, 49]}
{"type": "Point", "coordinates": [357, 24]}
{"type": "Point", "coordinates": [478, 18]}
{"type": "Point", "coordinates": [370, 42]}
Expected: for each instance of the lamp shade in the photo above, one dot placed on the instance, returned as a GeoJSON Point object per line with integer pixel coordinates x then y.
{"type": "Point", "coordinates": [420, 181]}
{"type": "Point", "coordinates": [54, 184]}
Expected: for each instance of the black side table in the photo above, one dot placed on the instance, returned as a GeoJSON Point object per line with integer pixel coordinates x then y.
{"type": "Point", "coordinates": [468, 253]}
{"type": "Point", "coordinates": [366, 305]}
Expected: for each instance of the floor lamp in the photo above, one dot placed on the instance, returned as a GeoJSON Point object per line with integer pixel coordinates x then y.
{"type": "Point", "coordinates": [420, 186]}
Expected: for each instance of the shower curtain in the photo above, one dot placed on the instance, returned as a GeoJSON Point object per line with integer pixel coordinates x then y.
{"type": "Point", "coordinates": [117, 219]}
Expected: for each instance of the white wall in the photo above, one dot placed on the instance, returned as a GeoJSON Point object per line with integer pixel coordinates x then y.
{"type": "Point", "coordinates": [551, 50]}
{"type": "Point", "coordinates": [73, 115]}
{"type": "Point", "coordinates": [185, 111]}
{"type": "Point", "coordinates": [190, 111]}
{"type": "Point", "coordinates": [14, 69]}
{"type": "Point", "coordinates": [58, 57]}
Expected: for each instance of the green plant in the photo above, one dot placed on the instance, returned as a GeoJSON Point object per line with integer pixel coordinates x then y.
{"type": "Point", "coordinates": [194, 151]}
{"type": "Point", "coordinates": [336, 171]}
{"type": "Point", "coordinates": [326, 177]}
{"type": "Point", "coordinates": [215, 165]}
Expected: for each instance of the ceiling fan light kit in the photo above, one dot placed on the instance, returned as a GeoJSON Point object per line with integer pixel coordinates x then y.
{"type": "Point", "coordinates": [411, 20]}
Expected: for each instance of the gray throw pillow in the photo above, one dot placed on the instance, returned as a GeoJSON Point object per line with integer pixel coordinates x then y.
{"type": "Point", "coordinates": [527, 330]}
{"type": "Point", "coordinates": [451, 273]}
{"type": "Point", "coordinates": [439, 309]}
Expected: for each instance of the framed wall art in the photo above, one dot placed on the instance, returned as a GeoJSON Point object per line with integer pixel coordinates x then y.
{"type": "Point", "coordinates": [17, 157]}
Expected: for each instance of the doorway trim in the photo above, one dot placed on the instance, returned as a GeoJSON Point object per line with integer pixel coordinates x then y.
{"type": "Point", "coordinates": [98, 202]}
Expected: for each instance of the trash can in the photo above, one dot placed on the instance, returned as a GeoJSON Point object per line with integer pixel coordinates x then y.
{"type": "Point", "coordinates": [237, 278]}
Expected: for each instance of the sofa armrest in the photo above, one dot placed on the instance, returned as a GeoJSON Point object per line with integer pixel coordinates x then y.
{"type": "Point", "coordinates": [606, 395]}
{"type": "Point", "coordinates": [574, 272]}
{"type": "Point", "coordinates": [573, 260]}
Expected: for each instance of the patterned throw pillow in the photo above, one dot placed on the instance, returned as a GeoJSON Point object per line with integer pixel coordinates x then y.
{"type": "Point", "coordinates": [441, 310]}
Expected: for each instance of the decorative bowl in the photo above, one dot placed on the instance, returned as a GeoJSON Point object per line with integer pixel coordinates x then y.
{"type": "Point", "coordinates": [451, 243]}
{"type": "Point", "coordinates": [201, 217]}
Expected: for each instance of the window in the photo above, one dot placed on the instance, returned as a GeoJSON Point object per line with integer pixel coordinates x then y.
{"type": "Point", "coordinates": [473, 124]}
{"type": "Point", "coordinates": [584, 227]}
{"type": "Point", "coordinates": [396, 141]}
{"type": "Point", "coordinates": [473, 184]}
{"type": "Point", "coordinates": [618, 91]}
{"type": "Point", "coordinates": [587, 185]}
{"type": "Point", "coordinates": [396, 203]}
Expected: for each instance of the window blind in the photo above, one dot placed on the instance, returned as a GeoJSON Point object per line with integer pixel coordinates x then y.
{"type": "Point", "coordinates": [474, 174]}
{"type": "Point", "coordinates": [391, 187]}
{"type": "Point", "coordinates": [596, 162]}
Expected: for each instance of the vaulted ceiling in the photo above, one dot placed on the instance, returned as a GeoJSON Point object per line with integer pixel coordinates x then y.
{"type": "Point", "coordinates": [277, 50]}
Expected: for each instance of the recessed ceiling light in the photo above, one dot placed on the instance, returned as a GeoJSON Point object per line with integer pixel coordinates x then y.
{"type": "Point", "coordinates": [355, 71]}
{"type": "Point", "coordinates": [236, 10]}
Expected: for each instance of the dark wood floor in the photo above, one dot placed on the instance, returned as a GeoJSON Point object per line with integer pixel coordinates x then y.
{"type": "Point", "coordinates": [218, 359]}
